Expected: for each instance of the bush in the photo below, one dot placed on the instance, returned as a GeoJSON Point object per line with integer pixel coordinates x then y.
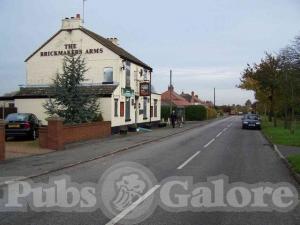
{"type": "Point", "coordinates": [211, 113]}
{"type": "Point", "coordinates": [165, 112]}
{"type": "Point", "coordinates": [195, 113]}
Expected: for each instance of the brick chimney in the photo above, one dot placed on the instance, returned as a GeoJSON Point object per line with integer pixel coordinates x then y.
{"type": "Point", "coordinates": [72, 23]}
{"type": "Point", "coordinates": [193, 93]}
{"type": "Point", "coordinates": [171, 88]}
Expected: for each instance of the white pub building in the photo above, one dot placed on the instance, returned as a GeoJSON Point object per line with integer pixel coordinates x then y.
{"type": "Point", "coordinates": [122, 81]}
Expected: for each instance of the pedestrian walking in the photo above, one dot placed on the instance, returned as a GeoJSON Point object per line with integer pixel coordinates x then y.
{"type": "Point", "coordinates": [173, 118]}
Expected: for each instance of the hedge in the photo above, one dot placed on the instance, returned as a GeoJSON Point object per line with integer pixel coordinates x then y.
{"type": "Point", "coordinates": [192, 113]}
{"type": "Point", "coordinates": [195, 113]}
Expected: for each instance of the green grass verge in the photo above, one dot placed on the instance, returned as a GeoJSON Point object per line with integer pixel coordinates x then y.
{"type": "Point", "coordinates": [279, 135]}
{"type": "Point", "coordinates": [294, 160]}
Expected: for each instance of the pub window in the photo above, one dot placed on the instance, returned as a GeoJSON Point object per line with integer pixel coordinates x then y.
{"type": "Point", "coordinates": [127, 84]}
{"type": "Point", "coordinates": [145, 74]}
{"type": "Point", "coordinates": [116, 107]}
{"type": "Point", "coordinates": [155, 107]}
{"type": "Point", "coordinates": [108, 75]}
{"type": "Point", "coordinates": [145, 108]}
{"type": "Point", "coordinates": [122, 109]}
{"type": "Point", "coordinates": [151, 111]}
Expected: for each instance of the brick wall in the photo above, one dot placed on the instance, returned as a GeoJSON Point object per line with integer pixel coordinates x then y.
{"type": "Point", "coordinates": [56, 134]}
{"type": "Point", "coordinates": [2, 140]}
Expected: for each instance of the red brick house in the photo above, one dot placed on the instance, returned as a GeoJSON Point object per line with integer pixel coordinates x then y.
{"type": "Point", "coordinates": [176, 99]}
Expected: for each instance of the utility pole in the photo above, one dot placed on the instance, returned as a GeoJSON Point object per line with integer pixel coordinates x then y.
{"type": "Point", "coordinates": [170, 92]}
{"type": "Point", "coordinates": [214, 97]}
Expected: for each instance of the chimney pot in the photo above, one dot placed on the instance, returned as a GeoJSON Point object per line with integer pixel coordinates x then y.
{"type": "Point", "coordinates": [77, 16]}
{"type": "Point", "coordinates": [114, 40]}
{"type": "Point", "coordinates": [193, 93]}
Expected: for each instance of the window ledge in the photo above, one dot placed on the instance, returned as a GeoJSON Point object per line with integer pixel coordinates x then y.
{"type": "Point", "coordinates": [108, 82]}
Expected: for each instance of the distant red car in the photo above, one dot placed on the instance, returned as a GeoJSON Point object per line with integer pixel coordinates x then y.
{"type": "Point", "coordinates": [22, 125]}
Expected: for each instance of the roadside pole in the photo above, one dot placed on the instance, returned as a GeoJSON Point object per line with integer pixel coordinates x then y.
{"type": "Point", "coordinates": [2, 140]}
{"type": "Point", "coordinates": [214, 97]}
{"type": "Point", "coordinates": [170, 90]}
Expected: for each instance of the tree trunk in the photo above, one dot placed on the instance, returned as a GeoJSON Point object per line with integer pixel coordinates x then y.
{"type": "Point", "coordinates": [285, 116]}
{"type": "Point", "coordinates": [292, 112]}
{"type": "Point", "coordinates": [271, 114]}
{"type": "Point", "coordinates": [275, 119]}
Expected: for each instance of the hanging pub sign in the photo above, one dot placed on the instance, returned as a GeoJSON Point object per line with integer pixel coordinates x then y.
{"type": "Point", "coordinates": [145, 89]}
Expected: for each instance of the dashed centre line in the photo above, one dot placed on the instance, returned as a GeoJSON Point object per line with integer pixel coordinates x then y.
{"type": "Point", "coordinates": [209, 143]}
{"type": "Point", "coordinates": [188, 160]}
{"type": "Point", "coordinates": [219, 134]}
{"type": "Point", "coordinates": [133, 206]}
{"type": "Point", "coordinates": [205, 146]}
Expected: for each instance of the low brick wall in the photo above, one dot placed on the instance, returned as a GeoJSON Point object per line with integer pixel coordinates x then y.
{"type": "Point", "coordinates": [2, 140]}
{"type": "Point", "coordinates": [56, 135]}
{"type": "Point", "coordinates": [86, 131]}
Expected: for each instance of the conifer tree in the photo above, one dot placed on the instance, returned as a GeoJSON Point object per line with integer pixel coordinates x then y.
{"type": "Point", "coordinates": [72, 101]}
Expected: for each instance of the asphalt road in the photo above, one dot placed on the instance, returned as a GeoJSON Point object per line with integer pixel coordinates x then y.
{"type": "Point", "coordinates": [219, 148]}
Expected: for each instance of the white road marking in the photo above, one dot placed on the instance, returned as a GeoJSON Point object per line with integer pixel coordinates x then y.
{"type": "Point", "coordinates": [187, 161]}
{"type": "Point", "coordinates": [208, 144]}
{"type": "Point", "coordinates": [219, 134]}
{"type": "Point", "coordinates": [133, 206]}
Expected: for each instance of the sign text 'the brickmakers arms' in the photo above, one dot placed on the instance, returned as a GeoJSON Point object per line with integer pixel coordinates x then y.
{"type": "Point", "coordinates": [71, 49]}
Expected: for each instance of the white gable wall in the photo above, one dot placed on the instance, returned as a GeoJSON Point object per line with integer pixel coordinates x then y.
{"type": "Point", "coordinates": [41, 70]}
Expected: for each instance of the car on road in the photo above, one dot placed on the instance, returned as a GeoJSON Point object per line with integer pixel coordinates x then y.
{"type": "Point", "coordinates": [22, 125]}
{"type": "Point", "coordinates": [251, 121]}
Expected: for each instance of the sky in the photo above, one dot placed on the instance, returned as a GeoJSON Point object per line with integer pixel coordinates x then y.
{"type": "Point", "coordinates": [206, 43]}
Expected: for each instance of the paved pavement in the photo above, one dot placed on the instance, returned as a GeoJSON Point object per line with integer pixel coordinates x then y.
{"type": "Point", "coordinates": [16, 148]}
{"type": "Point", "coordinates": [220, 147]}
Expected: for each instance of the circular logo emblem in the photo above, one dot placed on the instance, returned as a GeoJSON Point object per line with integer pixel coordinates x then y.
{"type": "Point", "coordinates": [124, 193]}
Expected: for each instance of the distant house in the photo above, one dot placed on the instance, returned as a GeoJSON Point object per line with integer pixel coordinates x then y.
{"type": "Point", "coordinates": [192, 98]}
{"type": "Point", "coordinates": [195, 100]}
{"type": "Point", "coordinates": [171, 96]}
{"type": "Point", "coordinates": [178, 102]}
